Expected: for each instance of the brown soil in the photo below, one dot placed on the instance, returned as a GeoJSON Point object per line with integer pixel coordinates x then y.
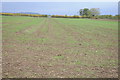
{"type": "Point", "coordinates": [55, 58]}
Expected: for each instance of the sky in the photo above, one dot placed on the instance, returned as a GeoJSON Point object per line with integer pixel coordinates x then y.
{"type": "Point", "coordinates": [60, 8]}
{"type": "Point", "coordinates": [60, 0]}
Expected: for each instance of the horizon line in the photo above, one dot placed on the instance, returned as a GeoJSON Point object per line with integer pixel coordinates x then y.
{"type": "Point", "coordinates": [47, 14]}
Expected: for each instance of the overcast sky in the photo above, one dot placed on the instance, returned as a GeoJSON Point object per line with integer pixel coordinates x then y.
{"type": "Point", "coordinates": [59, 8]}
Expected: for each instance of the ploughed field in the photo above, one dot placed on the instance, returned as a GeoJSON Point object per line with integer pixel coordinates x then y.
{"type": "Point", "coordinates": [59, 48]}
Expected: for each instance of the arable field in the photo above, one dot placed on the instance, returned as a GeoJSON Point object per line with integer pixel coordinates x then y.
{"type": "Point", "coordinates": [59, 48]}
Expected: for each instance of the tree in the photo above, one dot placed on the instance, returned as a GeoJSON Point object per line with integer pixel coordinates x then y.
{"type": "Point", "coordinates": [89, 12]}
{"type": "Point", "coordinates": [81, 12]}
{"type": "Point", "coordinates": [94, 11]}
{"type": "Point", "coordinates": [84, 12]}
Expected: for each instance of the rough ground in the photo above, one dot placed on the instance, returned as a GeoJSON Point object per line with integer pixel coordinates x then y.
{"type": "Point", "coordinates": [59, 48]}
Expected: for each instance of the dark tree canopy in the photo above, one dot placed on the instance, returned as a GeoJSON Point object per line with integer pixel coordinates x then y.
{"type": "Point", "coordinates": [84, 11]}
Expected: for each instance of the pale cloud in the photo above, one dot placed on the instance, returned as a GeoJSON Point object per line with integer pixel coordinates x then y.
{"type": "Point", "coordinates": [60, 0]}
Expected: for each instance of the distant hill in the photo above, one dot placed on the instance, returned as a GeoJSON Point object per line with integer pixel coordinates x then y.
{"type": "Point", "coordinates": [28, 12]}
{"type": "Point", "coordinates": [21, 12]}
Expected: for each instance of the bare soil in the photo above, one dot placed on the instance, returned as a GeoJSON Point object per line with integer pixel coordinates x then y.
{"type": "Point", "coordinates": [53, 56]}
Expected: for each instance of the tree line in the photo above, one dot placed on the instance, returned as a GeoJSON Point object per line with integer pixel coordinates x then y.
{"type": "Point", "coordinates": [21, 14]}
{"type": "Point", "coordinates": [95, 13]}
{"type": "Point", "coordinates": [38, 15]}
